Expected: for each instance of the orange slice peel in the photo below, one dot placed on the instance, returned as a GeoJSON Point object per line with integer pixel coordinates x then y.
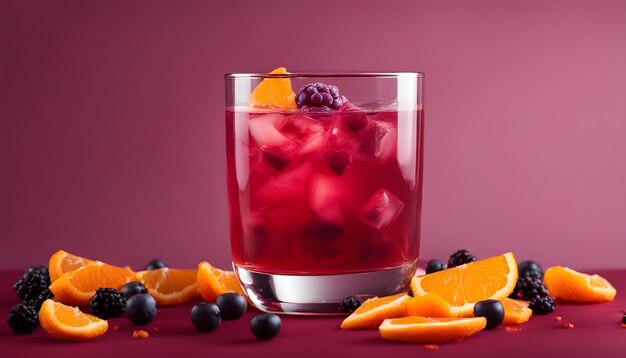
{"type": "Point", "coordinates": [69, 323]}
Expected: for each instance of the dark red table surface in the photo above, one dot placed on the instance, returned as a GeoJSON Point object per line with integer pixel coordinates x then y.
{"type": "Point", "coordinates": [597, 333]}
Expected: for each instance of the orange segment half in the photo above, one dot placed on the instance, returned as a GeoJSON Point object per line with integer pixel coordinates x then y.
{"type": "Point", "coordinates": [428, 305]}
{"type": "Point", "coordinates": [213, 282]}
{"type": "Point", "coordinates": [417, 329]}
{"type": "Point", "coordinates": [463, 286]}
{"type": "Point", "coordinates": [375, 310]}
{"type": "Point", "coordinates": [515, 311]}
{"type": "Point", "coordinates": [69, 323]}
{"type": "Point", "coordinates": [78, 287]}
{"type": "Point", "coordinates": [170, 286]}
{"type": "Point", "coordinates": [570, 285]}
{"type": "Point", "coordinates": [274, 93]}
{"type": "Point", "coordinates": [62, 262]}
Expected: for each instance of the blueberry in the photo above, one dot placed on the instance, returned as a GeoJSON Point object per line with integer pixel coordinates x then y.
{"type": "Point", "coordinates": [624, 319]}
{"type": "Point", "coordinates": [265, 326]}
{"type": "Point", "coordinates": [338, 161]}
{"type": "Point", "coordinates": [155, 265]}
{"type": "Point", "coordinates": [232, 306]}
{"type": "Point", "coordinates": [435, 265]}
{"type": "Point", "coordinates": [492, 310]}
{"type": "Point", "coordinates": [141, 309]}
{"type": "Point", "coordinates": [355, 121]}
{"type": "Point", "coordinates": [529, 266]}
{"type": "Point", "coordinates": [206, 317]}
{"type": "Point", "coordinates": [133, 288]}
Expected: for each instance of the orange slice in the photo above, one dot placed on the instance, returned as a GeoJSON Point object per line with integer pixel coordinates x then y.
{"type": "Point", "coordinates": [570, 285]}
{"type": "Point", "coordinates": [274, 93]}
{"type": "Point", "coordinates": [375, 310]}
{"type": "Point", "coordinates": [170, 286]}
{"type": "Point", "coordinates": [428, 305]}
{"type": "Point", "coordinates": [213, 282]}
{"type": "Point", "coordinates": [515, 311]}
{"type": "Point", "coordinates": [417, 329]}
{"type": "Point", "coordinates": [69, 323]}
{"type": "Point", "coordinates": [62, 262]}
{"type": "Point", "coordinates": [78, 287]}
{"type": "Point", "coordinates": [463, 286]}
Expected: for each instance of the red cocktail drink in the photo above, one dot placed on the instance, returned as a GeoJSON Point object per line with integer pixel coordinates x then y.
{"type": "Point", "coordinates": [324, 191]}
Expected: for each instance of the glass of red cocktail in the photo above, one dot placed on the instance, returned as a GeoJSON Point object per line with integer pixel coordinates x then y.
{"type": "Point", "coordinates": [324, 185]}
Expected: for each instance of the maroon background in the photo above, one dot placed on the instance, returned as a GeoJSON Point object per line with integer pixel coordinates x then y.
{"type": "Point", "coordinates": [596, 333]}
{"type": "Point", "coordinates": [112, 133]}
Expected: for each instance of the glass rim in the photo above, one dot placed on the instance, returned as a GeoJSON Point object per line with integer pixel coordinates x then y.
{"type": "Point", "coordinates": [235, 75]}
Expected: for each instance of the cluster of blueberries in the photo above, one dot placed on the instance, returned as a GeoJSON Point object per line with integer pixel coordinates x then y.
{"type": "Point", "coordinates": [134, 301]}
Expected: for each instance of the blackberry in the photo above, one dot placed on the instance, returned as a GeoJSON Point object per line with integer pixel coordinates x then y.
{"type": "Point", "coordinates": [319, 95]}
{"type": "Point", "coordinates": [529, 286]}
{"type": "Point", "coordinates": [530, 266]}
{"type": "Point", "coordinates": [542, 305]}
{"type": "Point", "coordinates": [461, 257]}
{"type": "Point", "coordinates": [107, 303]}
{"type": "Point", "coordinates": [23, 319]}
{"type": "Point", "coordinates": [38, 301]}
{"type": "Point", "coordinates": [349, 304]}
{"type": "Point", "coordinates": [32, 283]}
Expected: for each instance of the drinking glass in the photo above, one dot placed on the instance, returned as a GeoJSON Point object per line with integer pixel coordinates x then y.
{"type": "Point", "coordinates": [325, 203]}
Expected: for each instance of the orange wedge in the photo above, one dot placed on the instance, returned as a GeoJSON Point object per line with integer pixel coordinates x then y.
{"type": "Point", "coordinates": [78, 287]}
{"type": "Point", "coordinates": [417, 329]}
{"type": "Point", "coordinates": [62, 262]}
{"type": "Point", "coordinates": [570, 285]}
{"type": "Point", "coordinates": [212, 282]}
{"type": "Point", "coordinates": [274, 93]}
{"type": "Point", "coordinates": [515, 311]}
{"type": "Point", "coordinates": [463, 286]}
{"type": "Point", "coordinates": [170, 286]}
{"type": "Point", "coordinates": [428, 305]}
{"type": "Point", "coordinates": [69, 323]}
{"type": "Point", "coordinates": [375, 310]}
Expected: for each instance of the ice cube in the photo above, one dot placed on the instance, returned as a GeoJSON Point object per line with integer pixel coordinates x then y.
{"type": "Point", "coordinates": [337, 160]}
{"type": "Point", "coordinates": [378, 141]}
{"type": "Point", "coordinates": [300, 128]}
{"type": "Point", "coordinates": [381, 209]}
{"type": "Point", "coordinates": [325, 198]}
{"type": "Point", "coordinates": [275, 158]}
{"type": "Point", "coordinates": [264, 130]}
{"type": "Point", "coordinates": [289, 185]}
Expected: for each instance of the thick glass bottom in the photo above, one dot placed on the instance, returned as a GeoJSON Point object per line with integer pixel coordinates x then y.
{"type": "Point", "coordinates": [319, 295]}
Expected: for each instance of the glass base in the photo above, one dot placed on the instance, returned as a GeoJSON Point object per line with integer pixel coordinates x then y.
{"type": "Point", "coordinates": [319, 295]}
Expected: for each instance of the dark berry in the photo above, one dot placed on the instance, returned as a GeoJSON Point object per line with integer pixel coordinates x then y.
{"type": "Point", "coordinates": [23, 319]}
{"type": "Point", "coordinates": [155, 265]}
{"type": "Point", "coordinates": [276, 158]}
{"type": "Point", "coordinates": [141, 309]}
{"type": "Point", "coordinates": [107, 303]}
{"type": "Point", "coordinates": [319, 95]}
{"type": "Point", "coordinates": [529, 286]}
{"type": "Point", "coordinates": [624, 319]}
{"type": "Point", "coordinates": [355, 121]}
{"type": "Point", "coordinates": [349, 304]}
{"type": "Point", "coordinates": [31, 284]}
{"type": "Point", "coordinates": [38, 301]}
{"type": "Point", "coordinates": [542, 305]}
{"type": "Point", "coordinates": [492, 310]}
{"type": "Point", "coordinates": [133, 288]}
{"type": "Point", "coordinates": [460, 257]}
{"type": "Point", "coordinates": [338, 161]}
{"type": "Point", "coordinates": [265, 326]}
{"type": "Point", "coordinates": [530, 266]}
{"type": "Point", "coordinates": [435, 266]}
{"type": "Point", "coordinates": [232, 306]}
{"type": "Point", "coordinates": [206, 317]}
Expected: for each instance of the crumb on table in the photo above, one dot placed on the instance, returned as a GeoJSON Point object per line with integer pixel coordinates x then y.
{"type": "Point", "coordinates": [140, 334]}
